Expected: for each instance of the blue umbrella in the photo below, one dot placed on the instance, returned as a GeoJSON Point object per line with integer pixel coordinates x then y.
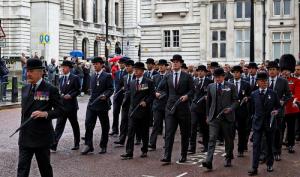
{"type": "Point", "coordinates": [76, 53]}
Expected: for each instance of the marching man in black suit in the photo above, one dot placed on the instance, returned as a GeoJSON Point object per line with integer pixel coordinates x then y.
{"type": "Point", "coordinates": [69, 85]}
{"type": "Point", "coordinates": [98, 106]}
{"type": "Point", "coordinates": [198, 110]}
{"type": "Point", "coordinates": [222, 101]}
{"type": "Point", "coordinates": [118, 95]}
{"type": "Point", "coordinates": [150, 68]}
{"type": "Point", "coordinates": [178, 85]}
{"type": "Point", "coordinates": [141, 93]}
{"type": "Point", "coordinates": [158, 106]}
{"type": "Point", "coordinates": [40, 101]}
{"type": "Point", "coordinates": [265, 105]}
{"type": "Point", "coordinates": [241, 113]}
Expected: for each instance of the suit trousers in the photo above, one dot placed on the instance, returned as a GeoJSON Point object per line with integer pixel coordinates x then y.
{"type": "Point", "coordinates": [172, 121]}
{"type": "Point", "coordinates": [290, 120]}
{"type": "Point", "coordinates": [135, 124]}
{"type": "Point", "coordinates": [116, 112]}
{"type": "Point", "coordinates": [61, 123]}
{"type": "Point", "coordinates": [198, 119]}
{"type": "Point", "coordinates": [90, 122]}
{"type": "Point", "coordinates": [124, 124]}
{"type": "Point", "coordinates": [278, 137]}
{"type": "Point", "coordinates": [241, 124]}
{"type": "Point", "coordinates": [159, 116]}
{"type": "Point", "coordinates": [42, 156]}
{"type": "Point", "coordinates": [215, 127]}
{"type": "Point", "coordinates": [257, 140]}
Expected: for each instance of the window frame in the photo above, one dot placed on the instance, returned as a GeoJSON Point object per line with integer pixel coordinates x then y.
{"type": "Point", "coordinates": [243, 41]}
{"type": "Point", "coordinates": [282, 9]}
{"type": "Point", "coordinates": [171, 46]}
{"type": "Point", "coordinates": [282, 41]}
{"type": "Point", "coordinates": [219, 10]}
{"type": "Point", "coordinates": [218, 42]}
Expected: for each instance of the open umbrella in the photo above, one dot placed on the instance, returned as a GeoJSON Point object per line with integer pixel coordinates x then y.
{"type": "Point", "coordinates": [115, 59]}
{"type": "Point", "coordinates": [76, 53]}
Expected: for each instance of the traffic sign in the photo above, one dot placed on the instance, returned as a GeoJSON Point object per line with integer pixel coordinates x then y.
{"type": "Point", "coordinates": [2, 42]}
{"type": "Point", "coordinates": [44, 38]}
{"type": "Point", "coordinates": [2, 34]}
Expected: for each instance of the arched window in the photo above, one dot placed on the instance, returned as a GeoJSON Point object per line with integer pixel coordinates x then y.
{"type": "Point", "coordinates": [74, 43]}
{"type": "Point", "coordinates": [85, 48]}
{"type": "Point", "coordinates": [83, 10]}
{"type": "Point", "coordinates": [95, 12]}
{"type": "Point", "coordinates": [96, 48]}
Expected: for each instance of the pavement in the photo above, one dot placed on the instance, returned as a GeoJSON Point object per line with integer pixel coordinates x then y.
{"type": "Point", "coordinates": [67, 163]}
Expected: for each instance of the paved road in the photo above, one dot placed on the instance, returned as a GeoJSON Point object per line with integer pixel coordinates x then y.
{"type": "Point", "coordinates": [67, 163]}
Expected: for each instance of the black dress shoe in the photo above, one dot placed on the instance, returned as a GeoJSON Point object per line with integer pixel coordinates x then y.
{"type": "Point", "coordinates": [143, 155]}
{"type": "Point", "coordinates": [53, 147]}
{"type": "Point", "coordinates": [119, 143]}
{"type": "Point", "coordinates": [227, 163]}
{"type": "Point", "coordinates": [83, 138]}
{"type": "Point", "coordinates": [182, 159]}
{"type": "Point", "coordinates": [207, 165]}
{"type": "Point", "coordinates": [252, 172]}
{"type": "Point", "coordinates": [113, 133]}
{"type": "Point", "coordinates": [191, 151]}
{"type": "Point", "coordinates": [126, 156]}
{"type": "Point", "coordinates": [86, 150]}
{"type": "Point", "coordinates": [291, 149]}
{"type": "Point", "coordinates": [151, 148]}
{"type": "Point", "coordinates": [165, 160]}
{"type": "Point", "coordinates": [102, 151]}
{"type": "Point", "coordinates": [76, 147]}
{"type": "Point", "coordinates": [270, 168]}
{"type": "Point", "coordinates": [204, 150]}
{"type": "Point", "coordinates": [240, 154]}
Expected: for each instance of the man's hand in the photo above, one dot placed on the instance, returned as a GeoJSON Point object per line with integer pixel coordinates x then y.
{"type": "Point", "coordinates": [227, 110]}
{"type": "Point", "coordinates": [281, 102]}
{"type": "Point", "coordinates": [184, 98]}
{"type": "Point", "coordinates": [67, 97]}
{"type": "Point", "coordinates": [102, 97]}
{"type": "Point", "coordinates": [157, 94]}
{"type": "Point", "coordinates": [39, 114]}
{"type": "Point", "coordinates": [206, 120]}
{"type": "Point", "coordinates": [143, 104]}
{"type": "Point", "coordinates": [274, 113]}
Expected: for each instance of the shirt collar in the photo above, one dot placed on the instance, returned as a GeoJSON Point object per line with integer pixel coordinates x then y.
{"type": "Point", "coordinates": [275, 78]}
{"type": "Point", "coordinates": [239, 81]}
{"type": "Point", "coordinates": [140, 79]}
{"type": "Point", "coordinates": [265, 90]}
{"type": "Point", "coordinates": [99, 73]}
{"type": "Point", "coordinates": [179, 72]}
{"type": "Point", "coordinates": [38, 83]}
{"type": "Point", "coordinates": [67, 74]}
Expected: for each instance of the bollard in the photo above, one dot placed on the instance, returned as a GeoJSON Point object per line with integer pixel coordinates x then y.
{"type": "Point", "coordinates": [56, 80]}
{"type": "Point", "coordinates": [14, 90]}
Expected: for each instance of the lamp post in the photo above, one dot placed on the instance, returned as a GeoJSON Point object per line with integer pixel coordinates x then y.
{"type": "Point", "coordinates": [264, 30]}
{"type": "Point", "coordinates": [252, 33]}
{"type": "Point", "coordinates": [106, 28]}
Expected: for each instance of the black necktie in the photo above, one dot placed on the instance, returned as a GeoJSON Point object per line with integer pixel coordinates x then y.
{"type": "Point", "coordinates": [32, 90]}
{"type": "Point", "coordinates": [237, 86]}
{"type": "Point", "coordinates": [272, 84]}
{"type": "Point", "coordinates": [65, 80]}
{"type": "Point", "coordinates": [176, 80]}
{"type": "Point", "coordinates": [220, 89]}
{"type": "Point", "coordinates": [137, 84]}
{"type": "Point", "coordinates": [200, 83]}
{"type": "Point", "coordinates": [129, 79]}
{"type": "Point", "coordinates": [262, 96]}
{"type": "Point", "coordinates": [161, 76]}
{"type": "Point", "coordinates": [121, 73]}
{"type": "Point", "coordinates": [252, 81]}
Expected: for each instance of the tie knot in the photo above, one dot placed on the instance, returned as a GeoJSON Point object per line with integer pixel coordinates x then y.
{"type": "Point", "coordinates": [272, 80]}
{"type": "Point", "coordinates": [262, 92]}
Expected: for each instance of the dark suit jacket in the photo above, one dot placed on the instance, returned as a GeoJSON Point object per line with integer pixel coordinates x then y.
{"type": "Point", "coordinates": [245, 91]}
{"type": "Point", "coordinates": [229, 100]}
{"type": "Point", "coordinates": [159, 104]}
{"type": "Point", "coordinates": [248, 79]}
{"type": "Point", "coordinates": [282, 89]}
{"type": "Point", "coordinates": [145, 93]}
{"type": "Point", "coordinates": [39, 132]}
{"type": "Point", "coordinates": [118, 85]}
{"type": "Point", "coordinates": [153, 74]}
{"type": "Point", "coordinates": [185, 87]}
{"type": "Point", "coordinates": [126, 99]}
{"type": "Point", "coordinates": [200, 91]}
{"type": "Point", "coordinates": [101, 86]}
{"type": "Point", "coordinates": [261, 111]}
{"type": "Point", "coordinates": [72, 88]}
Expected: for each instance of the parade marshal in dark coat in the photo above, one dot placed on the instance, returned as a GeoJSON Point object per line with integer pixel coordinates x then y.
{"type": "Point", "coordinates": [69, 85]}
{"type": "Point", "coordinates": [98, 106]}
{"type": "Point", "coordinates": [179, 87]}
{"type": "Point", "coordinates": [141, 97]}
{"type": "Point", "coordinates": [222, 101]}
{"type": "Point", "coordinates": [41, 101]}
{"type": "Point", "coordinates": [265, 104]}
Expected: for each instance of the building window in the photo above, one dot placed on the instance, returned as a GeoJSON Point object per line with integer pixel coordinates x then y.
{"type": "Point", "coordinates": [83, 10]}
{"type": "Point", "coordinates": [281, 44]}
{"type": "Point", "coordinates": [171, 38]}
{"type": "Point", "coordinates": [96, 48]}
{"type": "Point", "coordinates": [219, 44]}
{"type": "Point", "coordinates": [95, 11]}
{"type": "Point", "coordinates": [85, 48]}
{"type": "Point", "coordinates": [117, 14]}
{"type": "Point", "coordinates": [242, 43]}
{"type": "Point", "coordinates": [281, 7]}
{"type": "Point", "coordinates": [218, 10]}
{"type": "Point", "coordinates": [243, 9]}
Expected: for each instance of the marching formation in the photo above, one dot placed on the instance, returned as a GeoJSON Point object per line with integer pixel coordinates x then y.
{"type": "Point", "coordinates": [258, 104]}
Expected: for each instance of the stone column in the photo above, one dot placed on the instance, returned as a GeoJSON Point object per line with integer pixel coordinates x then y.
{"type": "Point", "coordinates": [230, 33]}
{"type": "Point", "coordinates": [204, 31]}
